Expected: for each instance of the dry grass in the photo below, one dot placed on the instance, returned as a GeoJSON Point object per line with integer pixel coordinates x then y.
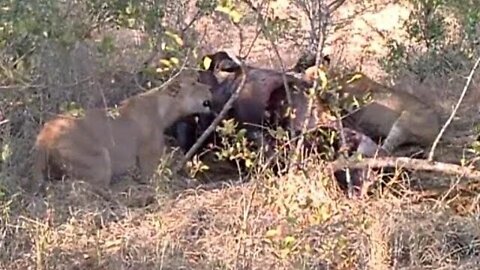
{"type": "Point", "coordinates": [293, 222]}
{"type": "Point", "coordinates": [296, 222]}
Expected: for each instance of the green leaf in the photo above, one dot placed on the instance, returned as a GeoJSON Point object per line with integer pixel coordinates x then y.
{"type": "Point", "coordinates": [272, 233]}
{"type": "Point", "coordinates": [174, 60]}
{"type": "Point", "coordinates": [289, 240]}
{"type": "Point", "coordinates": [165, 62]}
{"type": "Point", "coordinates": [206, 62]}
{"type": "Point", "coordinates": [234, 15]}
{"type": "Point", "coordinates": [355, 77]}
{"type": "Point", "coordinates": [323, 78]}
{"type": "Point", "coordinates": [175, 37]}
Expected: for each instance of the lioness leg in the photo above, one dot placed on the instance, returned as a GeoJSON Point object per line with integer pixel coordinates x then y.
{"type": "Point", "coordinates": [39, 172]}
{"type": "Point", "coordinates": [95, 169]}
{"type": "Point", "coordinates": [368, 148]}
{"type": "Point", "coordinates": [148, 161]}
{"type": "Point", "coordinates": [101, 174]}
{"type": "Point", "coordinates": [398, 133]}
{"type": "Point", "coordinates": [148, 158]}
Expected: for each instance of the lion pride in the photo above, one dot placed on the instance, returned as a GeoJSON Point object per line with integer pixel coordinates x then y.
{"type": "Point", "coordinates": [98, 146]}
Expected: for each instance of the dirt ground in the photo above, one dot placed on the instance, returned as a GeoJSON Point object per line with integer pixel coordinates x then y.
{"type": "Point", "coordinates": [298, 221]}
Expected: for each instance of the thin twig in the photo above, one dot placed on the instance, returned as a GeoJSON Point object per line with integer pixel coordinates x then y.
{"type": "Point", "coordinates": [184, 64]}
{"type": "Point", "coordinates": [194, 19]}
{"type": "Point", "coordinates": [167, 82]}
{"type": "Point", "coordinates": [266, 33]}
{"type": "Point", "coordinates": [257, 34]}
{"type": "Point", "coordinates": [452, 115]}
{"type": "Point", "coordinates": [156, 50]}
{"type": "Point", "coordinates": [318, 57]}
{"type": "Point", "coordinates": [335, 5]}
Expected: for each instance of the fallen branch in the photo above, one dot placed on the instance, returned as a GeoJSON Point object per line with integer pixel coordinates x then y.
{"type": "Point", "coordinates": [454, 112]}
{"type": "Point", "coordinates": [408, 163]}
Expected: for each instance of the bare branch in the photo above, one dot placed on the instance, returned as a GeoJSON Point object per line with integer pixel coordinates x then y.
{"type": "Point", "coordinates": [452, 115]}
{"type": "Point", "coordinates": [335, 5]}
{"type": "Point", "coordinates": [192, 21]}
{"type": "Point", "coordinates": [257, 34]}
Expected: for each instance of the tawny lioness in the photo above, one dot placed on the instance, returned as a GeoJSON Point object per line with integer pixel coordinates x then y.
{"type": "Point", "coordinates": [396, 116]}
{"type": "Point", "coordinates": [98, 146]}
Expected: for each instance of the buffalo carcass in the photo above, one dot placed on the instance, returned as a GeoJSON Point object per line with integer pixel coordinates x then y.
{"type": "Point", "coordinates": [264, 94]}
{"type": "Point", "coordinates": [257, 105]}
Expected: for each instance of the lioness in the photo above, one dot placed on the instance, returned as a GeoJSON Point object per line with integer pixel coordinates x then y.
{"type": "Point", "coordinates": [97, 146]}
{"type": "Point", "coordinates": [396, 116]}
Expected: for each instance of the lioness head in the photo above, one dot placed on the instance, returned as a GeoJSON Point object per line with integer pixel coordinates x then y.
{"type": "Point", "coordinates": [193, 96]}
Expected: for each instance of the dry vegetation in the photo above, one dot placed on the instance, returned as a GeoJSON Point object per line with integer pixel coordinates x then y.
{"type": "Point", "coordinates": [298, 221]}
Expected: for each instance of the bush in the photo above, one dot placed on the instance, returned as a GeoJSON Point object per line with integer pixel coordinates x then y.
{"type": "Point", "coordinates": [442, 37]}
